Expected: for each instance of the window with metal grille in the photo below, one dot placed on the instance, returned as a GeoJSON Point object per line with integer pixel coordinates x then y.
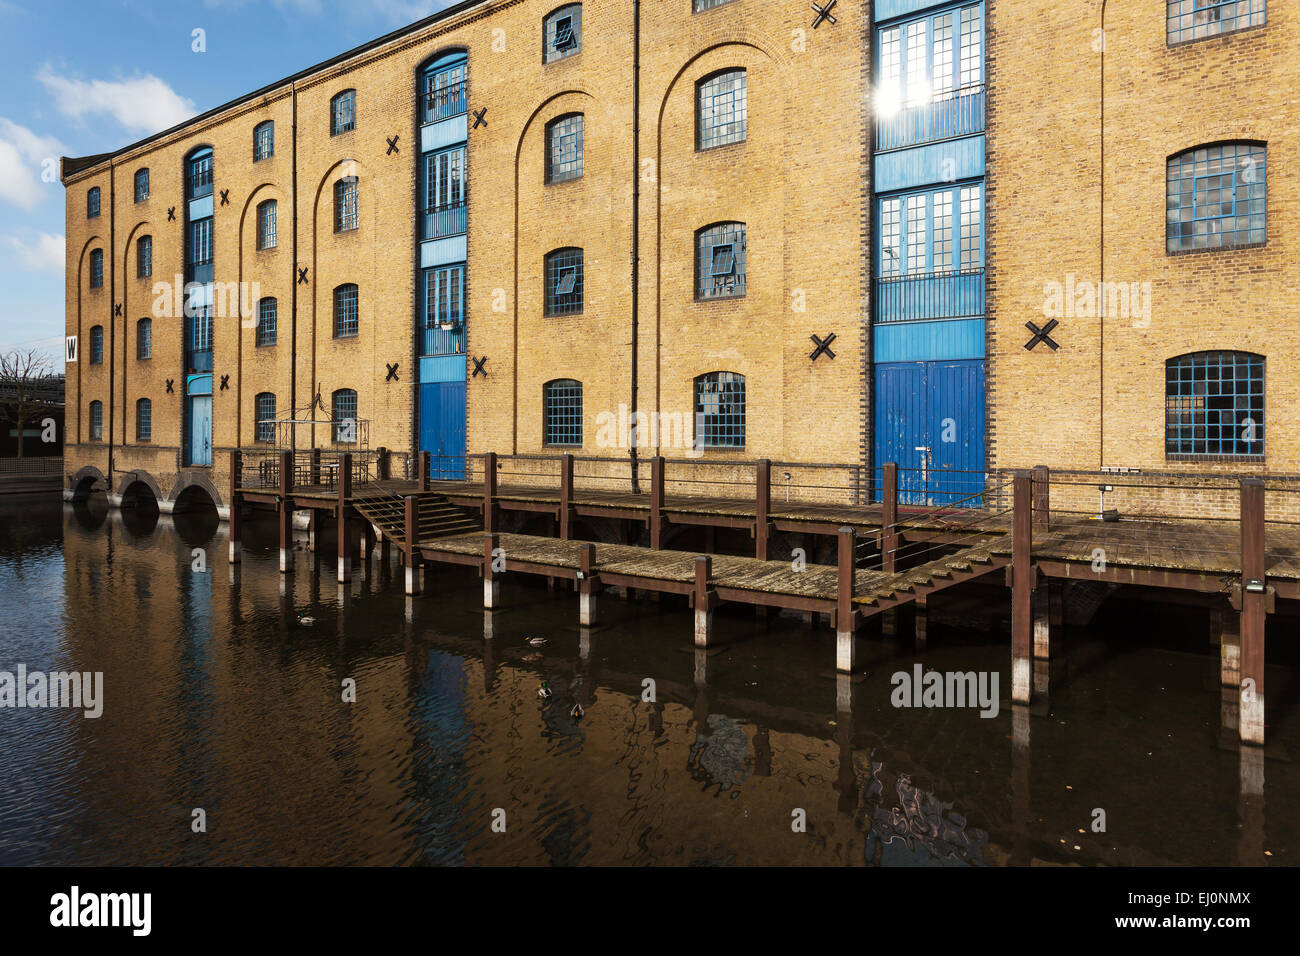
{"type": "Point", "coordinates": [445, 87]}
{"type": "Point", "coordinates": [266, 314]}
{"type": "Point", "coordinates": [141, 185]}
{"type": "Point", "coordinates": [263, 141]}
{"type": "Point", "coordinates": [564, 148]}
{"type": "Point", "coordinates": [201, 242]}
{"type": "Point", "coordinates": [343, 112]}
{"type": "Point", "coordinates": [933, 232]}
{"type": "Point", "coordinates": [264, 417]}
{"type": "Point", "coordinates": [345, 416]}
{"type": "Point", "coordinates": [144, 339]}
{"type": "Point", "coordinates": [96, 420]}
{"type": "Point", "coordinates": [722, 109]}
{"type": "Point", "coordinates": [562, 412]}
{"type": "Point", "coordinates": [1197, 19]}
{"type": "Point", "coordinates": [562, 33]}
{"type": "Point", "coordinates": [720, 261]}
{"type": "Point", "coordinates": [97, 345]}
{"type": "Point", "coordinates": [201, 330]}
{"type": "Point", "coordinates": [143, 419]}
{"type": "Point", "coordinates": [444, 193]}
{"type": "Point", "coordinates": [144, 257]}
{"type": "Point", "coordinates": [92, 202]}
{"type": "Point", "coordinates": [267, 226]}
{"type": "Point", "coordinates": [198, 176]}
{"type": "Point", "coordinates": [345, 204]}
{"type": "Point", "coordinates": [444, 297]}
{"type": "Point", "coordinates": [700, 5]}
{"type": "Point", "coordinates": [720, 410]}
{"type": "Point", "coordinates": [1214, 197]}
{"type": "Point", "coordinates": [1214, 404]}
{"type": "Point", "coordinates": [929, 60]}
{"type": "Point", "coordinates": [96, 268]}
{"type": "Point", "coordinates": [346, 312]}
{"type": "Point", "coordinates": [564, 282]}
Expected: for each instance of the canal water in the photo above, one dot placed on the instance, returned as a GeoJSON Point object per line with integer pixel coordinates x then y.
{"type": "Point", "coordinates": [223, 692]}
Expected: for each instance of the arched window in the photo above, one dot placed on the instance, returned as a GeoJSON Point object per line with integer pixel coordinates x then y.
{"type": "Point", "coordinates": [96, 420]}
{"type": "Point", "coordinates": [562, 33]}
{"type": "Point", "coordinates": [443, 92]}
{"type": "Point", "coordinates": [92, 202]}
{"type": "Point", "coordinates": [722, 109]}
{"type": "Point", "coordinates": [343, 112]}
{"type": "Point", "coordinates": [264, 417]}
{"type": "Point", "coordinates": [263, 141]}
{"type": "Point", "coordinates": [144, 339]}
{"type": "Point", "coordinates": [97, 345]}
{"type": "Point", "coordinates": [266, 224]}
{"type": "Point", "coordinates": [345, 204]}
{"type": "Point", "coordinates": [1214, 404]}
{"type": "Point", "coordinates": [347, 318]}
{"type": "Point", "coordinates": [720, 410]}
{"type": "Point", "coordinates": [266, 316]}
{"type": "Point", "coordinates": [1188, 20]}
{"type": "Point", "coordinates": [564, 148]}
{"type": "Point", "coordinates": [143, 419]}
{"type": "Point", "coordinates": [144, 257]}
{"type": "Point", "coordinates": [345, 416]}
{"type": "Point", "coordinates": [96, 268]}
{"type": "Point", "coordinates": [198, 173]}
{"type": "Point", "coordinates": [564, 282]}
{"type": "Point", "coordinates": [562, 412]}
{"type": "Point", "coordinates": [1214, 197]}
{"type": "Point", "coordinates": [141, 185]}
{"type": "Point", "coordinates": [720, 261]}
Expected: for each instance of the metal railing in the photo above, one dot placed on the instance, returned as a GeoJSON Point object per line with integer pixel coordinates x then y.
{"type": "Point", "coordinates": [441, 221]}
{"type": "Point", "coordinates": [943, 116]}
{"type": "Point", "coordinates": [445, 102]}
{"type": "Point", "coordinates": [933, 295]}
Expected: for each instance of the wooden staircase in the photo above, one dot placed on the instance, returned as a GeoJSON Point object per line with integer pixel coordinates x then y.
{"type": "Point", "coordinates": [437, 517]}
{"type": "Point", "coordinates": [883, 591]}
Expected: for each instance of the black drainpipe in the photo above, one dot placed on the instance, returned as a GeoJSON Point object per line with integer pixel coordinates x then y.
{"type": "Point", "coordinates": [1101, 255]}
{"type": "Point", "coordinates": [293, 271]}
{"type": "Point", "coordinates": [636, 226]}
{"type": "Point", "coordinates": [112, 323]}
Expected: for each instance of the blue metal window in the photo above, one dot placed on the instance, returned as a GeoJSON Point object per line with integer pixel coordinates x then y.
{"type": "Point", "coordinates": [144, 257]}
{"type": "Point", "coordinates": [198, 176]}
{"type": "Point", "coordinates": [562, 33]}
{"type": "Point", "coordinates": [444, 193]}
{"type": "Point", "coordinates": [345, 204]}
{"type": "Point", "coordinates": [444, 310]}
{"type": "Point", "coordinates": [931, 259]}
{"type": "Point", "coordinates": [264, 417]}
{"type": "Point", "coordinates": [200, 251]}
{"type": "Point", "coordinates": [562, 409]}
{"type": "Point", "coordinates": [343, 112]}
{"type": "Point", "coordinates": [564, 148]}
{"type": "Point", "coordinates": [263, 141]}
{"type": "Point", "coordinates": [1214, 197]}
{"type": "Point", "coordinates": [722, 109]}
{"type": "Point", "coordinates": [96, 420]}
{"type": "Point", "coordinates": [141, 185]}
{"type": "Point", "coordinates": [1214, 404]}
{"type": "Point", "coordinates": [346, 311]}
{"type": "Point", "coordinates": [445, 86]}
{"type": "Point", "coordinates": [720, 410]}
{"type": "Point", "coordinates": [97, 345]}
{"type": "Point", "coordinates": [699, 5]}
{"type": "Point", "coordinates": [266, 314]}
{"type": "Point", "coordinates": [143, 419]}
{"type": "Point", "coordinates": [1196, 19]}
{"type": "Point", "coordinates": [200, 324]}
{"type": "Point", "coordinates": [144, 339]}
{"type": "Point", "coordinates": [97, 268]}
{"type": "Point", "coordinates": [720, 261]}
{"type": "Point", "coordinates": [564, 282]}
{"type": "Point", "coordinates": [345, 416]}
{"type": "Point", "coordinates": [267, 224]}
{"type": "Point", "coordinates": [92, 202]}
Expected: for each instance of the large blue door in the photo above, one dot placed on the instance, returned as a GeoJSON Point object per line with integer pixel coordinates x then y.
{"type": "Point", "coordinates": [442, 428]}
{"type": "Point", "coordinates": [900, 425]}
{"type": "Point", "coordinates": [198, 427]}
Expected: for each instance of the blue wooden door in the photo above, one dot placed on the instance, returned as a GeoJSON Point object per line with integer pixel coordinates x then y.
{"type": "Point", "coordinates": [442, 428]}
{"type": "Point", "coordinates": [201, 430]}
{"type": "Point", "coordinates": [900, 425]}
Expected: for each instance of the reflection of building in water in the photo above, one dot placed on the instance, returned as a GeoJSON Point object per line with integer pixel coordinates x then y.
{"type": "Point", "coordinates": [720, 755]}
{"type": "Point", "coordinates": [909, 824]}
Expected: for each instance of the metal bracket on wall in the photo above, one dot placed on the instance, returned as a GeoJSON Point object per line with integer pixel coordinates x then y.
{"type": "Point", "coordinates": [171, 214]}
{"type": "Point", "coordinates": [225, 197]}
{"type": "Point", "coordinates": [479, 118]}
{"type": "Point", "coordinates": [392, 372]}
{"type": "Point", "coordinates": [117, 309]}
{"type": "Point", "coordinates": [1041, 335]}
{"type": "Point", "coordinates": [478, 366]}
{"type": "Point", "coordinates": [823, 346]}
{"type": "Point", "coordinates": [824, 13]}
{"type": "Point", "coordinates": [170, 385]}
{"type": "Point", "coordinates": [225, 382]}
{"type": "Point", "coordinates": [302, 276]}
{"type": "Point", "coordinates": [392, 144]}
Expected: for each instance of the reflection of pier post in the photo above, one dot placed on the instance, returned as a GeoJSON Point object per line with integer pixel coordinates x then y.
{"type": "Point", "coordinates": [1250, 848]}
{"type": "Point", "coordinates": [847, 779]}
{"type": "Point", "coordinates": [1021, 851]}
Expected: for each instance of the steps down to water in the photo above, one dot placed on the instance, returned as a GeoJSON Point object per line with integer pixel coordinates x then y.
{"type": "Point", "coordinates": [903, 587]}
{"type": "Point", "coordinates": [437, 517]}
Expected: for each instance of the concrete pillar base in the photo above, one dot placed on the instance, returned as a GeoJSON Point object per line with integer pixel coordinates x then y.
{"type": "Point", "coordinates": [1022, 676]}
{"type": "Point", "coordinates": [286, 560]}
{"type": "Point", "coordinates": [412, 580]}
{"type": "Point", "coordinates": [236, 552]}
{"type": "Point", "coordinates": [345, 570]}
{"type": "Point", "coordinates": [703, 627]}
{"type": "Point", "coordinates": [491, 594]}
{"type": "Point", "coordinates": [587, 609]}
{"type": "Point", "coordinates": [1252, 720]}
{"type": "Point", "coordinates": [846, 651]}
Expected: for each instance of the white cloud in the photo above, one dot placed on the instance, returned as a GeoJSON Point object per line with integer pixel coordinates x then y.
{"type": "Point", "coordinates": [43, 255]}
{"type": "Point", "coordinates": [23, 156]}
{"type": "Point", "coordinates": [142, 103]}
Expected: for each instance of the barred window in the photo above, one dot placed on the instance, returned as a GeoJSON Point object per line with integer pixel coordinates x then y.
{"type": "Point", "coordinates": [346, 312]}
{"type": "Point", "coordinates": [141, 185]}
{"type": "Point", "coordinates": [345, 416]}
{"type": "Point", "coordinates": [97, 345]}
{"type": "Point", "coordinates": [1214, 197]}
{"type": "Point", "coordinates": [343, 112]}
{"type": "Point", "coordinates": [564, 148]}
{"type": "Point", "coordinates": [699, 5]}
{"type": "Point", "coordinates": [143, 419]}
{"type": "Point", "coordinates": [562, 33]}
{"type": "Point", "coordinates": [1214, 404]}
{"type": "Point", "coordinates": [267, 214]}
{"type": "Point", "coordinates": [722, 109]}
{"type": "Point", "coordinates": [92, 202]}
{"type": "Point", "coordinates": [201, 242]}
{"type": "Point", "coordinates": [266, 315]}
{"type": "Point", "coordinates": [144, 339]}
{"type": "Point", "coordinates": [96, 420]}
{"type": "Point", "coordinates": [445, 86]}
{"type": "Point", "coordinates": [144, 257]}
{"type": "Point", "coordinates": [263, 141]}
{"type": "Point", "coordinates": [932, 232]}
{"type": "Point", "coordinates": [198, 174]}
{"type": "Point", "coordinates": [720, 261]}
{"type": "Point", "coordinates": [562, 409]}
{"type": "Point", "coordinates": [1197, 19]}
{"type": "Point", "coordinates": [264, 417]}
{"type": "Point", "coordinates": [444, 297]}
{"type": "Point", "coordinates": [564, 282]}
{"type": "Point", "coordinates": [97, 268]}
{"type": "Point", "coordinates": [720, 410]}
{"type": "Point", "coordinates": [345, 204]}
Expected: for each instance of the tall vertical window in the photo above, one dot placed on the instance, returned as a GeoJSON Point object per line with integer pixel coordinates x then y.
{"type": "Point", "coordinates": [722, 109]}
{"type": "Point", "coordinates": [562, 410]}
{"type": "Point", "coordinates": [97, 268]}
{"type": "Point", "coordinates": [200, 250]}
{"type": "Point", "coordinates": [1214, 404]}
{"type": "Point", "coordinates": [143, 419]}
{"type": "Point", "coordinates": [263, 141]}
{"type": "Point", "coordinates": [345, 204]}
{"type": "Point", "coordinates": [933, 232]}
{"type": "Point", "coordinates": [346, 312]}
{"type": "Point", "coordinates": [266, 224]}
{"type": "Point", "coordinates": [96, 420]}
{"type": "Point", "coordinates": [1197, 19]}
{"type": "Point", "coordinates": [564, 282]}
{"type": "Point", "coordinates": [562, 33]}
{"type": "Point", "coordinates": [1214, 197]}
{"type": "Point", "coordinates": [264, 417]}
{"type": "Point", "coordinates": [92, 202]}
{"type": "Point", "coordinates": [144, 257]}
{"type": "Point", "coordinates": [720, 261]}
{"type": "Point", "coordinates": [444, 193]}
{"type": "Point", "coordinates": [201, 334]}
{"type": "Point", "coordinates": [720, 410]}
{"type": "Point", "coordinates": [198, 177]}
{"type": "Point", "coordinates": [141, 185]}
{"type": "Point", "coordinates": [931, 59]}
{"type": "Point", "coordinates": [144, 339]}
{"type": "Point", "coordinates": [343, 112]}
{"type": "Point", "coordinates": [444, 297]}
{"type": "Point", "coordinates": [445, 84]}
{"type": "Point", "coordinates": [97, 345]}
{"type": "Point", "coordinates": [266, 309]}
{"type": "Point", "coordinates": [564, 148]}
{"type": "Point", "coordinates": [345, 416]}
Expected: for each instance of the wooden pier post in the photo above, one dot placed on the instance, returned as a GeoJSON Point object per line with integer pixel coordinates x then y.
{"type": "Point", "coordinates": [412, 533]}
{"type": "Point", "coordinates": [846, 651]}
{"type": "Point", "coordinates": [657, 502]}
{"type": "Point", "coordinates": [566, 497]}
{"type": "Point", "coordinates": [284, 511]}
{"type": "Point", "coordinates": [888, 515]}
{"type": "Point", "coordinates": [704, 600]}
{"type": "Point", "coordinates": [1022, 590]}
{"type": "Point", "coordinates": [1042, 501]}
{"type": "Point", "coordinates": [588, 584]}
{"type": "Point", "coordinates": [426, 469]}
{"type": "Point", "coordinates": [1254, 610]}
{"type": "Point", "coordinates": [383, 469]}
{"type": "Point", "coordinates": [490, 492]}
{"type": "Point", "coordinates": [236, 505]}
{"type": "Point", "coordinates": [491, 586]}
{"type": "Point", "coordinates": [315, 467]}
{"type": "Point", "coordinates": [762, 509]}
{"type": "Point", "coordinates": [345, 492]}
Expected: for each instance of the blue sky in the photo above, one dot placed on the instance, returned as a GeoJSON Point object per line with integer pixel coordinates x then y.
{"type": "Point", "coordinates": [89, 76]}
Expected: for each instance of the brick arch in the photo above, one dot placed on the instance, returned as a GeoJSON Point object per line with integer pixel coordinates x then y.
{"type": "Point", "coordinates": [195, 479]}
{"type": "Point", "coordinates": [96, 477]}
{"type": "Point", "coordinates": [140, 476]}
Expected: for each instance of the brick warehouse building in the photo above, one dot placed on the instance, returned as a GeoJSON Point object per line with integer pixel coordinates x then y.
{"type": "Point", "coordinates": [665, 201]}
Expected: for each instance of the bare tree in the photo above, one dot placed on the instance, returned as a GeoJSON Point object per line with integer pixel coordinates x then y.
{"type": "Point", "coordinates": [26, 393]}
